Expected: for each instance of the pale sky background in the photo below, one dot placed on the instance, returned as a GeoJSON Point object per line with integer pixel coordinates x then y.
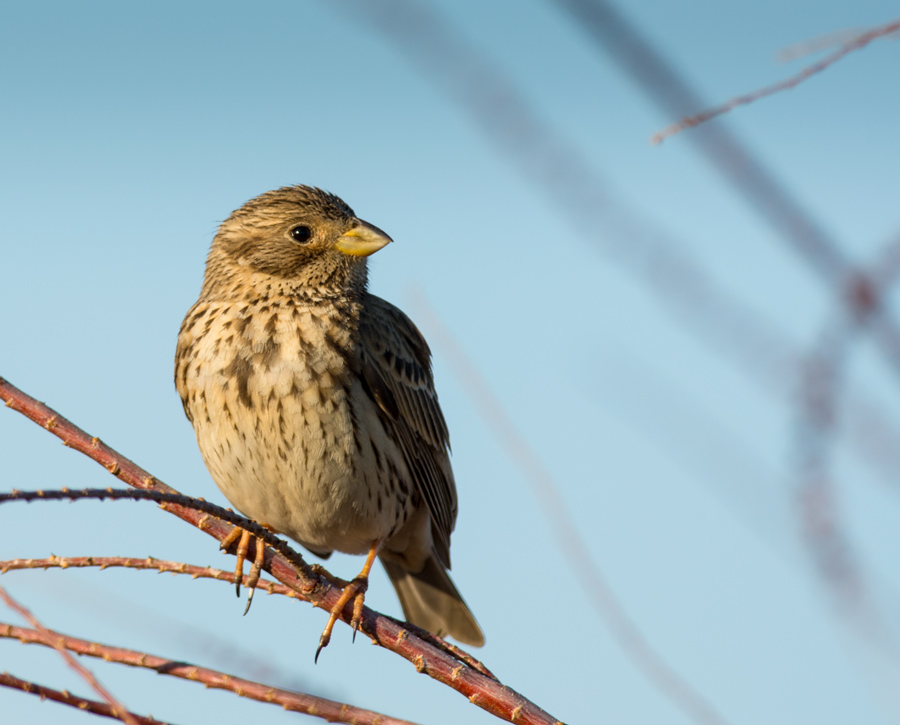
{"type": "Point", "coordinates": [129, 131]}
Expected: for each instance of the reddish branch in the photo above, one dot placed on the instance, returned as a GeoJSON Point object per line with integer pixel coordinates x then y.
{"type": "Point", "coordinates": [294, 701]}
{"type": "Point", "coordinates": [67, 698]}
{"type": "Point", "coordinates": [165, 497]}
{"type": "Point", "coordinates": [859, 41]}
{"type": "Point", "coordinates": [177, 567]}
{"type": "Point", "coordinates": [427, 658]}
{"type": "Point", "coordinates": [116, 708]}
{"type": "Point", "coordinates": [128, 562]}
{"type": "Point", "coordinates": [737, 164]}
{"type": "Point", "coordinates": [206, 572]}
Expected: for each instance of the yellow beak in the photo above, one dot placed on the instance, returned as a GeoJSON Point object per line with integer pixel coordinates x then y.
{"type": "Point", "coordinates": [362, 240]}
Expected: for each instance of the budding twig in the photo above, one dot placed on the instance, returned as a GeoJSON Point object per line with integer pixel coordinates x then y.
{"type": "Point", "coordinates": [294, 701]}
{"type": "Point", "coordinates": [162, 497]}
{"type": "Point", "coordinates": [117, 710]}
{"type": "Point", "coordinates": [67, 698]}
{"type": "Point", "coordinates": [128, 562]}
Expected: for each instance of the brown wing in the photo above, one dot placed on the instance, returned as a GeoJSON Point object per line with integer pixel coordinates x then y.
{"type": "Point", "coordinates": [396, 365]}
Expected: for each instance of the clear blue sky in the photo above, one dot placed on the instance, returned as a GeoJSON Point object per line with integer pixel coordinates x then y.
{"type": "Point", "coordinates": [128, 132]}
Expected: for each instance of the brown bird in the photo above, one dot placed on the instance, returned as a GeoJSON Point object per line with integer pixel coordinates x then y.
{"type": "Point", "coordinates": [314, 404]}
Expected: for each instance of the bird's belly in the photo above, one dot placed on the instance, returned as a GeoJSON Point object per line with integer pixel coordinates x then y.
{"type": "Point", "coordinates": [300, 459]}
{"type": "Point", "coordinates": [287, 431]}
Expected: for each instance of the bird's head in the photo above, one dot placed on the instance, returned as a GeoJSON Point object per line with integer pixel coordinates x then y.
{"type": "Point", "coordinates": [302, 236]}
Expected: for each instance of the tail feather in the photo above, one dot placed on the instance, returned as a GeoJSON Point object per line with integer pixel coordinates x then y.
{"type": "Point", "coordinates": [431, 601]}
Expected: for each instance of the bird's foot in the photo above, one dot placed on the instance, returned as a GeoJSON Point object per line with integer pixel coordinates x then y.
{"type": "Point", "coordinates": [255, 568]}
{"type": "Point", "coordinates": [355, 590]}
{"type": "Point", "coordinates": [321, 571]}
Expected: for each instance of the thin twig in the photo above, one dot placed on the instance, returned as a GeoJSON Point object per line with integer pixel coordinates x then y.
{"type": "Point", "coordinates": [67, 698]}
{"type": "Point", "coordinates": [294, 701]}
{"type": "Point", "coordinates": [131, 494]}
{"type": "Point", "coordinates": [118, 494]}
{"type": "Point", "coordinates": [253, 665]}
{"type": "Point", "coordinates": [750, 178]}
{"type": "Point", "coordinates": [438, 663]}
{"type": "Point", "coordinates": [116, 708]}
{"type": "Point", "coordinates": [859, 41]}
{"type": "Point", "coordinates": [207, 572]}
{"type": "Point", "coordinates": [128, 562]}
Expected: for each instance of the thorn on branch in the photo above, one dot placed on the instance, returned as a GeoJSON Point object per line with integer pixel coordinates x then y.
{"type": "Point", "coordinates": [292, 701]}
{"type": "Point", "coordinates": [290, 569]}
{"type": "Point", "coordinates": [64, 697]}
{"type": "Point", "coordinates": [58, 642]}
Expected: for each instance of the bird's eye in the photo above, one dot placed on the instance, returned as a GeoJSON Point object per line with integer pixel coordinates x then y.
{"type": "Point", "coordinates": [301, 234]}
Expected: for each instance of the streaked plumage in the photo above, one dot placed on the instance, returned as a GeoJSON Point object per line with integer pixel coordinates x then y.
{"type": "Point", "coordinates": [313, 400]}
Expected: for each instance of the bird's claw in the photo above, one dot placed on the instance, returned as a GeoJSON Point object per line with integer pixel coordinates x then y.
{"type": "Point", "coordinates": [355, 590]}
{"type": "Point", "coordinates": [255, 567]}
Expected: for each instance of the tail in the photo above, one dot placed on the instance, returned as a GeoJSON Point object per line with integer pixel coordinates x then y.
{"type": "Point", "coordinates": [431, 601]}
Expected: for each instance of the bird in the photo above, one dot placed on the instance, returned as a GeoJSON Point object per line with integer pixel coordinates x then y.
{"type": "Point", "coordinates": [314, 406]}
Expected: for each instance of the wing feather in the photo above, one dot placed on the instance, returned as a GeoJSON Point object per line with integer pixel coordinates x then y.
{"type": "Point", "coordinates": [397, 369]}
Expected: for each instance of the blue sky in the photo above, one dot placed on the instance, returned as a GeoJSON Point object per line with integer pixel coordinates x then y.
{"type": "Point", "coordinates": [129, 132]}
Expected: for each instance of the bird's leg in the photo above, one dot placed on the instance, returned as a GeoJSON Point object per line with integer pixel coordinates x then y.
{"type": "Point", "coordinates": [361, 595]}
{"type": "Point", "coordinates": [242, 549]}
{"type": "Point", "coordinates": [244, 544]}
{"type": "Point", "coordinates": [355, 590]}
{"type": "Point", "coordinates": [255, 569]}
